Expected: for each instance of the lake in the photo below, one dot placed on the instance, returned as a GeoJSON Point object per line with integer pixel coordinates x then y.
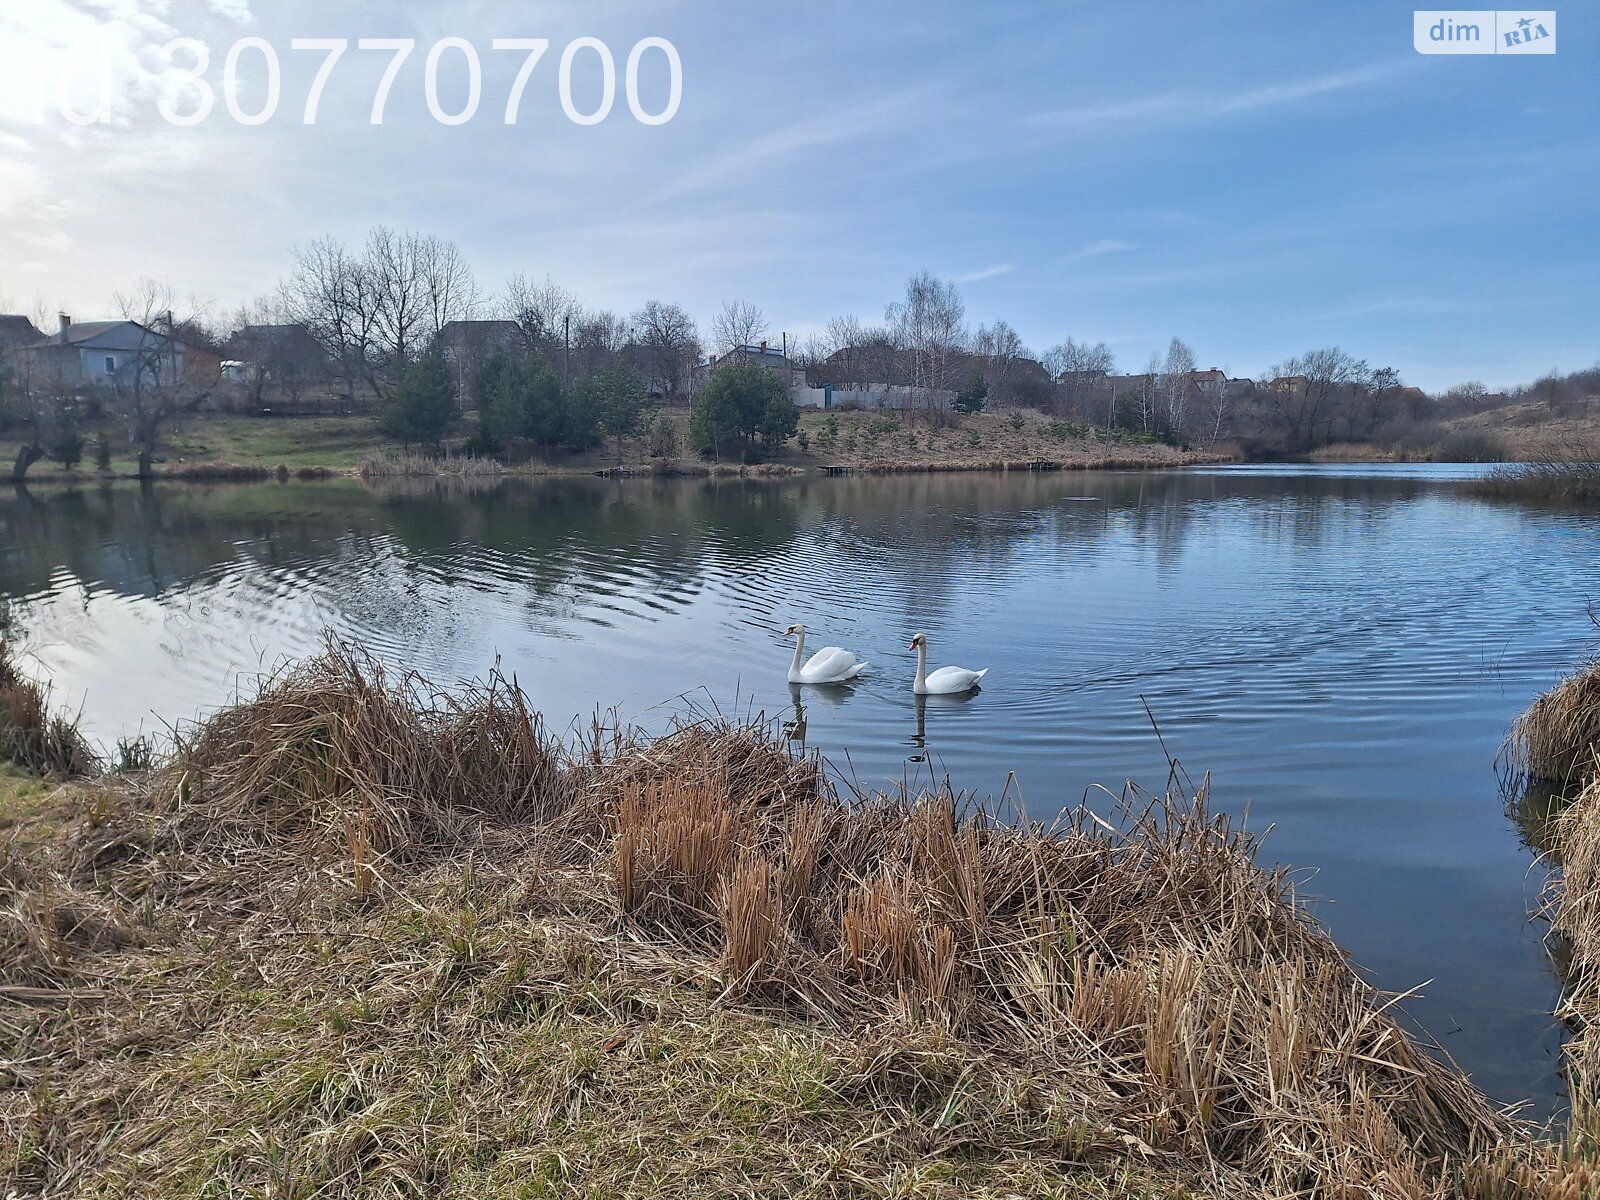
{"type": "Point", "coordinates": [1341, 648]}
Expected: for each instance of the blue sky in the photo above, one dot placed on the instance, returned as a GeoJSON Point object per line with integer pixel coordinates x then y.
{"type": "Point", "coordinates": [1258, 178]}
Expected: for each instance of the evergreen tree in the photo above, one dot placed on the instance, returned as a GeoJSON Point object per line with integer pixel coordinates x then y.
{"type": "Point", "coordinates": [740, 403]}
{"type": "Point", "coordinates": [422, 407]}
{"type": "Point", "coordinates": [617, 400]}
{"type": "Point", "coordinates": [64, 436]}
{"type": "Point", "coordinates": [519, 399]}
{"type": "Point", "coordinates": [972, 397]}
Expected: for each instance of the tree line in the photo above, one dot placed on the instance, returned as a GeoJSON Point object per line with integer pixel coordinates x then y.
{"type": "Point", "coordinates": [368, 322]}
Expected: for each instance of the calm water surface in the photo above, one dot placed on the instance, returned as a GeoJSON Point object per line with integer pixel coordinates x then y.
{"type": "Point", "coordinates": [1342, 649]}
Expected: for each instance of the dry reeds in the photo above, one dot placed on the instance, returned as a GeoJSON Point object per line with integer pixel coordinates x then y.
{"type": "Point", "coordinates": [340, 758]}
{"type": "Point", "coordinates": [1556, 740]}
{"type": "Point", "coordinates": [31, 735]}
{"type": "Point", "coordinates": [1181, 988]}
{"type": "Point", "coordinates": [987, 1006]}
{"type": "Point", "coordinates": [1554, 759]}
{"type": "Point", "coordinates": [1565, 473]}
{"type": "Point", "coordinates": [422, 465]}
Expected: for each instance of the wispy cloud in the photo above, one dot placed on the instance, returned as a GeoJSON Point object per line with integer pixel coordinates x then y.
{"type": "Point", "coordinates": [1102, 246]}
{"type": "Point", "coordinates": [874, 118]}
{"type": "Point", "coordinates": [1279, 94]}
{"type": "Point", "coordinates": [1187, 106]}
{"type": "Point", "coordinates": [983, 273]}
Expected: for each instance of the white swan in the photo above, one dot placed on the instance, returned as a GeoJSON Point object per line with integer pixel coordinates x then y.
{"type": "Point", "coordinates": [946, 680]}
{"type": "Point", "coordinates": [828, 665]}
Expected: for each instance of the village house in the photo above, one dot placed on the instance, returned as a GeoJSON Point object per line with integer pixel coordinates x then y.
{"type": "Point", "coordinates": [776, 362]}
{"type": "Point", "coordinates": [17, 332]}
{"type": "Point", "coordinates": [274, 354]}
{"type": "Point", "coordinates": [467, 345]}
{"type": "Point", "coordinates": [108, 354]}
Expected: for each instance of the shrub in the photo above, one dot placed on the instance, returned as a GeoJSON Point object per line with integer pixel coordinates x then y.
{"type": "Point", "coordinates": [662, 441]}
{"type": "Point", "coordinates": [1471, 447]}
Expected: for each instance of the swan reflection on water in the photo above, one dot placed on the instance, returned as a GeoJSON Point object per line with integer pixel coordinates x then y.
{"type": "Point", "coordinates": [923, 703]}
{"type": "Point", "coordinates": [832, 696]}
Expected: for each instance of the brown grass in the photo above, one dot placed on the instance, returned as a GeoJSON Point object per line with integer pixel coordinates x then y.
{"type": "Point", "coordinates": [1565, 472]}
{"type": "Point", "coordinates": [1553, 749]}
{"type": "Point", "coordinates": [1556, 740]}
{"type": "Point", "coordinates": [356, 936]}
{"type": "Point", "coordinates": [1576, 920]}
{"type": "Point", "coordinates": [31, 735]}
{"type": "Point", "coordinates": [422, 465]}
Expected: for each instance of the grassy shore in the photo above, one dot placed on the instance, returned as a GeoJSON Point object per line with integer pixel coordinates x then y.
{"type": "Point", "coordinates": [1564, 475]}
{"type": "Point", "coordinates": [1555, 752]}
{"type": "Point", "coordinates": [216, 446]}
{"type": "Point", "coordinates": [359, 937]}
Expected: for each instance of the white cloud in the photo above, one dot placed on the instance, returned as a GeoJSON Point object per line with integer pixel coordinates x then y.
{"type": "Point", "coordinates": [983, 273]}
{"type": "Point", "coordinates": [1103, 246]}
{"type": "Point", "coordinates": [1188, 106]}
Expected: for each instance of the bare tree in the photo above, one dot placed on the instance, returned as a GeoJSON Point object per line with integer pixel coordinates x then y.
{"type": "Point", "coordinates": [599, 338]}
{"type": "Point", "coordinates": [737, 323]}
{"type": "Point", "coordinates": [423, 283]}
{"type": "Point", "coordinates": [1216, 406]}
{"type": "Point", "coordinates": [1301, 393]}
{"type": "Point", "coordinates": [1081, 371]}
{"type": "Point", "coordinates": [163, 383]}
{"type": "Point", "coordinates": [382, 308]}
{"type": "Point", "coordinates": [843, 352]}
{"type": "Point", "coordinates": [1002, 353]}
{"type": "Point", "coordinates": [811, 352]}
{"type": "Point", "coordinates": [21, 404]}
{"type": "Point", "coordinates": [668, 345]}
{"type": "Point", "coordinates": [928, 323]}
{"type": "Point", "coordinates": [1173, 385]}
{"type": "Point", "coordinates": [546, 312]}
{"type": "Point", "coordinates": [331, 292]}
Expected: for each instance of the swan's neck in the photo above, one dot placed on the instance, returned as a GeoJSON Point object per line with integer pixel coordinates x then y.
{"type": "Point", "coordinates": [922, 666]}
{"type": "Point", "coordinates": [799, 650]}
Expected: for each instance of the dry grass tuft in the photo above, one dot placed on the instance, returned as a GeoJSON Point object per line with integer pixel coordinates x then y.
{"type": "Point", "coordinates": [426, 465]}
{"type": "Point", "coordinates": [339, 758]}
{"type": "Point", "coordinates": [33, 737]}
{"type": "Point", "coordinates": [1556, 740]}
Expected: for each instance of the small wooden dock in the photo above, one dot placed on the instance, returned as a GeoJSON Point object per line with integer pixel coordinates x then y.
{"type": "Point", "coordinates": [838, 469]}
{"type": "Point", "coordinates": [1043, 464]}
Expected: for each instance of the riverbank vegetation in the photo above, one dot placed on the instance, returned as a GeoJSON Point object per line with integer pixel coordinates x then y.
{"type": "Point", "coordinates": [223, 447]}
{"type": "Point", "coordinates": [1554, 756]}
{"type": "Point", "coordinates": [1566, 473]}
{"type": "Point", "coordinates": [34, 736]}
{"type": "Point", "coordinates": [356, 936]}
{"type": "Point", "coordinates": [399, 332]}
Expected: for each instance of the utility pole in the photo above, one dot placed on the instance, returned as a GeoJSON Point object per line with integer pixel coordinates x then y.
{"type": "Point", "coordinates": [566, 351]}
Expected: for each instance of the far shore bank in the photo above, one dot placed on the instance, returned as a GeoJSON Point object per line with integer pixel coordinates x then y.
{"type": "Point", "coordinates": [221, 447]}
{"type": "Point", "coordinates": [252, 449]}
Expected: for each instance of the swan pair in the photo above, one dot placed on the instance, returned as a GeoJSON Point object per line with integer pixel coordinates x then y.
{"type": "Point", "coordinates": [834, 665]}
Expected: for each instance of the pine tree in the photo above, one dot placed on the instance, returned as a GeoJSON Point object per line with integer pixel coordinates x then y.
{"type": "Point", "coordinates": [422, 407]}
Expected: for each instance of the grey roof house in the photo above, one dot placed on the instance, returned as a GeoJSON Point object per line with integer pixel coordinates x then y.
{"type": "Point", "coordinates": [103, 354]}
{"type": "Point", "coordinates": [17, 331]}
